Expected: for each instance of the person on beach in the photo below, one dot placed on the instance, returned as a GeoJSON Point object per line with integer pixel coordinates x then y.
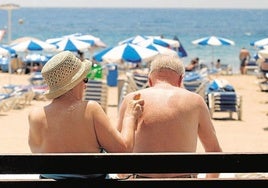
{"type": "Point", "coordinates": [193, 65]}
{"type": "Point", "coordinates": [16, 64]}
{"type": "Point", "coordinates": [80, 55]}
{"type": "Point", "coordinates": [244, 57]}
{"type": "Point", "coordinates": [173, 118]}
{"type": "Point", "coordinates": [264, 68]}
{"type": "Point", "coordinates": [70, 125]}
{"type": "Point", "coordinates": [218, 64]}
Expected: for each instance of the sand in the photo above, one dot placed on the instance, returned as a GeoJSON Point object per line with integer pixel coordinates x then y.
{"type": "Point", "coordinates": [248, 135]}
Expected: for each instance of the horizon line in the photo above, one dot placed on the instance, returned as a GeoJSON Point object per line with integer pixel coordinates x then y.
{"type": "Point", "coordinates": [145, 7]}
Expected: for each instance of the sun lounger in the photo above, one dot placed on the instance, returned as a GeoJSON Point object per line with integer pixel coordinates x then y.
{"type": "Point", "coordinates": [38, 85]}
{"type": "Point", "coordinates": [221, 97]}
{"type": "Point", "coordinates": [25, 94]}
{"type": "Point", "coordinates": [37, 79]}
{"type": "Point", "coordinates": [39, 91]}
{"type": "Point", "coordinates": [264, 82]}
{"type": "Point", "coordinates": [251, 67]}
{"type": "Point", "coordinates": [136, 80]}
{"type": "Point", "coordinates": [133, 82]}
{"type": "Point", "coordinates": [123, 92]}
{"type": "Point", "coordinates": [196, 82]}
{"type": "Point", "coordinates": [226, 69]}
{"type": "Point", "coordinates": [97, 90]}
{"type": "Point", "coordinates": [264, 86]}
{"type": "Point", "coordinates": [21, 94]}
{"type": "Point", "coordinates": [7, 102]}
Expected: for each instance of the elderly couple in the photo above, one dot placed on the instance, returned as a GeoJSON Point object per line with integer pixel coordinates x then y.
{"type": "Point", "coordinates": [164, 117]}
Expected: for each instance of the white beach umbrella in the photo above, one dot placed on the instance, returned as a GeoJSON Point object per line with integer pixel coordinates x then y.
{"type": "Point", "coordinates": [155, 39]}
{"type": "Point", "coordinates": [260, 43]}
{"type": "Point", "coordinates": [263, 53]}
{"type": "Point", "coordinates": [133, 40]}
{"type": "Point", "coordinates": [264, 47]}
{"type": "Point", "coordinates": [33, 45]}
{"type": "Point", "coordinates": [95, 41]}
{"type": "Point", "coordinates": [6, 50]}
{"type": "Point", "coordinates": [162, 50]}
{"type": "Point", "coordinates": [170, 43]}
{"type": "Point", "coordinates": [126, 53]}
{"type": "Point", "coordinates": [58, 39]}
{"type": "Point", "coordinates": [72, 44]}
{"type": "Point", "coordinates": [213, 41]}
{"type": "Point", "coordinates": [92, 40]}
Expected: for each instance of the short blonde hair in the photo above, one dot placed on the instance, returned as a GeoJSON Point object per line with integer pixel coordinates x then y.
{"type": "Point", "coordinates": [167, 62]}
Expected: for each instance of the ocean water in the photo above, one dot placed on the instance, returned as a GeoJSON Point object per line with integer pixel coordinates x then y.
{"type": "Point", "coordinates": [114, 25]}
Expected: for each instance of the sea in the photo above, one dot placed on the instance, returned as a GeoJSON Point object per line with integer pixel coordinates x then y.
{"type": "Point", "coordinates": [113, 25]}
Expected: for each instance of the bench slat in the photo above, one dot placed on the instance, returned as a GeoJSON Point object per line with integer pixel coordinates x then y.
{"type": "Point", "coordinates": [133, 163]}
{"type": "Point", "coordinates": [193, 183]}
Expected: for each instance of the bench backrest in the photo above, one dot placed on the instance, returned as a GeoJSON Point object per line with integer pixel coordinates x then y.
{"type": "Point", "coordinates": [84, 163]}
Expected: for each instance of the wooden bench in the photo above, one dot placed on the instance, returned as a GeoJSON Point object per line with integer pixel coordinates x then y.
{"type": "Point", "coordinates": [83, 163]}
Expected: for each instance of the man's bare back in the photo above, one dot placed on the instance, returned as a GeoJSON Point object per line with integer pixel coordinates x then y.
{"type": "Point", "coordinates": [166, 117]}
{"type": "Point", "coordinates": [173, 118]}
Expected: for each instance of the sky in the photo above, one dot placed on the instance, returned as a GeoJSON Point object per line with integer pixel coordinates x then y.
{"type": "Point", "coordinates": [253, 4]}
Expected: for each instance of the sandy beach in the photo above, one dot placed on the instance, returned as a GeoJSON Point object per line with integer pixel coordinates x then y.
{"type": "Point", "coordinates": [248, 135]}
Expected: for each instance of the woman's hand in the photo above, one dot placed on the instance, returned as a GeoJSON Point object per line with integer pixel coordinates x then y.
{"type": "Point", "coordinates": [135, 107]}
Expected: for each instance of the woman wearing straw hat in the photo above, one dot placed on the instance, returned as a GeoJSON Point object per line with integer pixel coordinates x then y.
{"type": "Point", "coordinates": [68, 124]}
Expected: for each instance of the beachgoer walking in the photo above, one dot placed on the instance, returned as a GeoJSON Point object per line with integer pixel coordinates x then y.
{"type": "Point", "coordinates": [244, 57]}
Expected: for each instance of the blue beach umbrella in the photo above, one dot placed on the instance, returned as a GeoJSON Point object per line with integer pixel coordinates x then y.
{"type": "Point", "coordinates": [98, 56]}
{"type": "Point", "coordinates": [6, 50]}
{"type": "Point", "coordinates": [259, 43]}
{"type": "Point", "coordinates": [72, 44]}
{"type": "Point", "coordinates": [92, 40]}
{"type": "Point", "coordinates": [134, 40]}
{"type": "Point", "coordinates": [126, 53]}
{"type": "Point", "coordinates": [181, 51]}
{"type": "Point", "coordinates": [5, 62]}
{"type": "Point", "coordinates": [174, 44]}
{"type": "Point", "coordinates": [165, 42]}
{"type": "Point", "coordinates": [161, 49]}
{"type": "Point", "coordinates": [213, 41]}
{"type": "Point", "coordinates": [263, 54]}
{"type": "Point", "coordinates": [33, 45]}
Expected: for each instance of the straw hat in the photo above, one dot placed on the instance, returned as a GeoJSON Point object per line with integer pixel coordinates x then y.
{"type": "Point", "coordinates": [63, 72]}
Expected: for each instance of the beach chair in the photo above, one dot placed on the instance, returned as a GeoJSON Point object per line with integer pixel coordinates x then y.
{"type": "Point", "coordinates": [21, 94]}
{"type": "Point", "coordinates": [252, 67]}
{"type": "Point", "coordinates": [38, 86]}
{"type": "Point", "coordinates": [221, 97]}
{"type": "Point", "coordinates": [123, 92]}
{"type": "Point", "coordinates": [136, 81]}
{"type": "Point", "coordinates": [133, 82]}
{"type": "Point", "coordinates": [37, 79]}
{"type": "Point", "coordinates": [225, 69]}
{"type": "Point", "coordinates": [97, 90]}
{"type": "Point", "coordinates": [196, 81]}
{"type": "Point", "coordinates": [7, 102]}
{"type": "Point", "coordinates": [25, 95]}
